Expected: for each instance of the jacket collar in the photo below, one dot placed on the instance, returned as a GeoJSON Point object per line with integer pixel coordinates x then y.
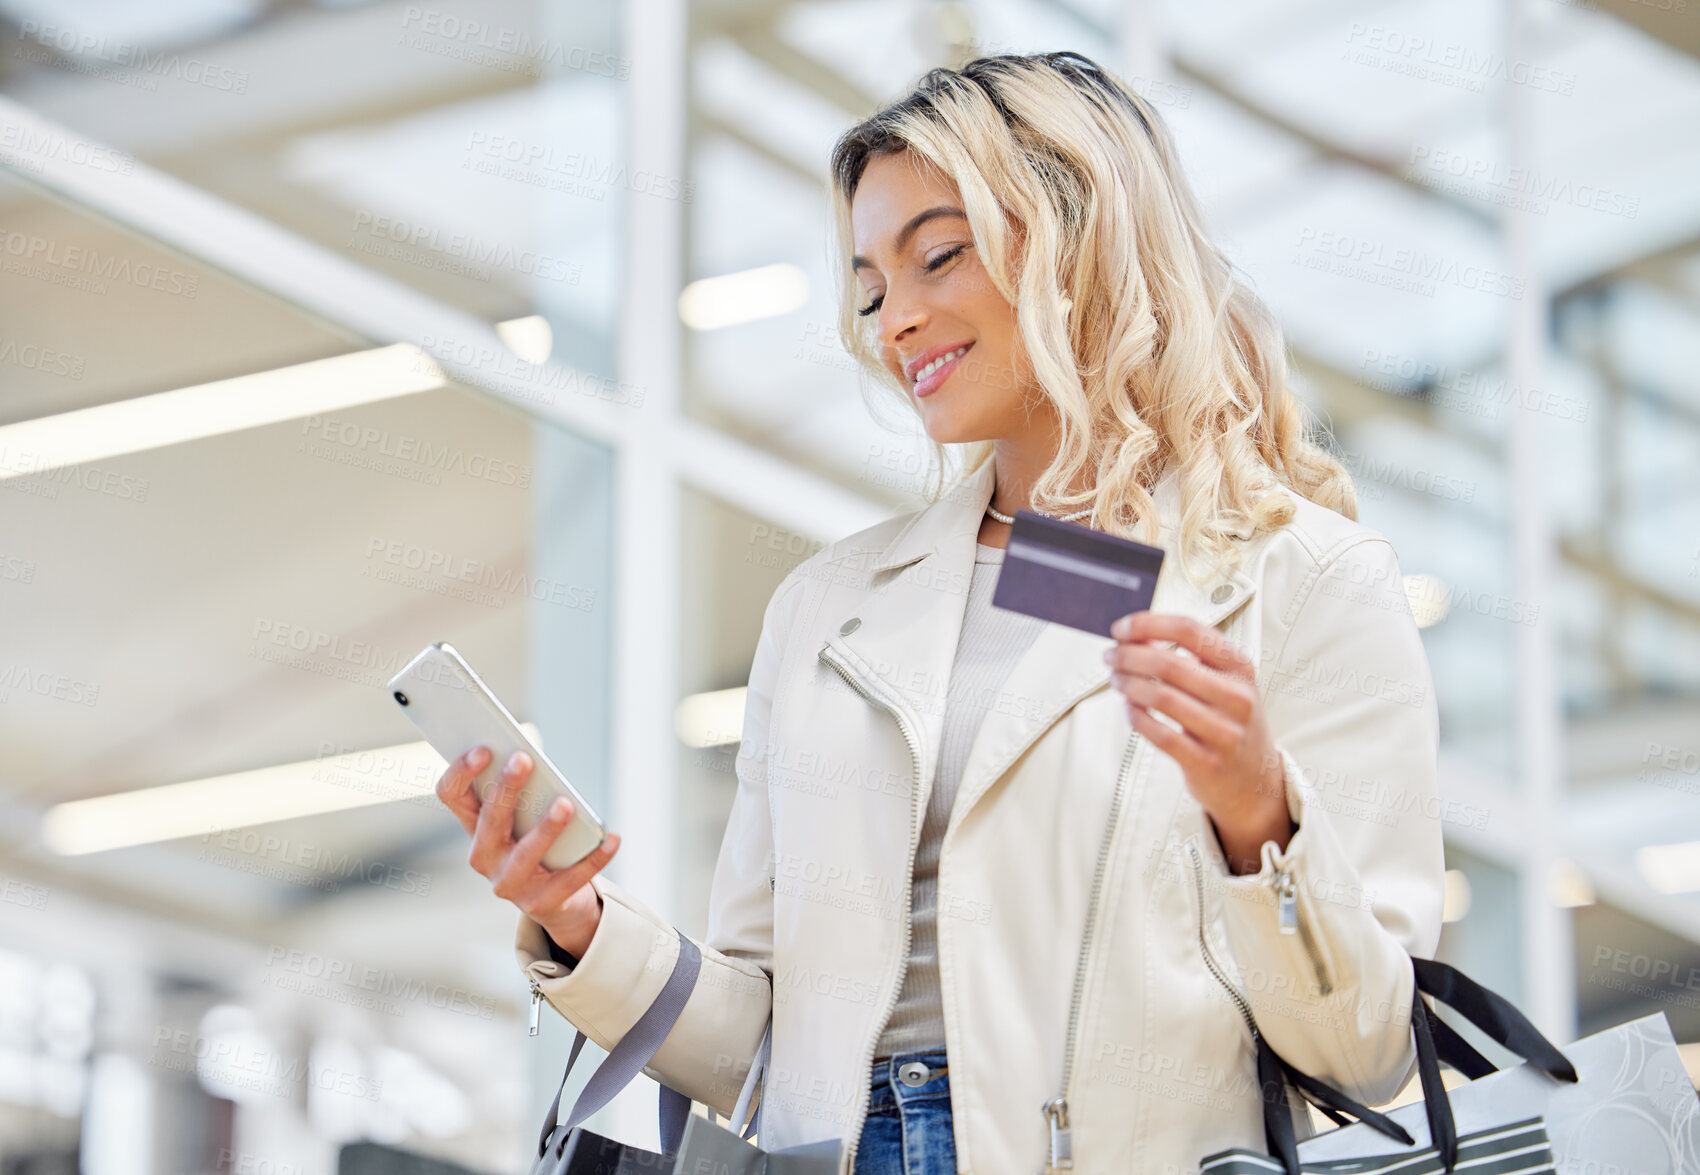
{"type": "Point", "coordinates": [899, 642]}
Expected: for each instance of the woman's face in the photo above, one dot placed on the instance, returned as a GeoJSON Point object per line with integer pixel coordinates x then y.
{"type": "Point", "coordinates": [921, 274]}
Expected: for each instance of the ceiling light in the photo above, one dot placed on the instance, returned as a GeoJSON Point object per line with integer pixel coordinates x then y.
{"type": "Point", "coordinates": [1427, 596]}
{"type": "Point", "coordinates": [1570, 885]}
{"type": "Point", "coordinates": [766, 292]}
{"type": "Point", "coordinates": [47, 443]}
{"type": "Point", "coordinates": [333, 782]}
{"type": "Point", "coordinates": [229, 405]}
{"type": "Point", "coordinates": [711, 719]}
{"type": "Point", "coordinates": [1671, 868]}
{"type": "Point", "coordinates": [1456, 905]}
{"type": "Point", "coordinates": [530, 338]}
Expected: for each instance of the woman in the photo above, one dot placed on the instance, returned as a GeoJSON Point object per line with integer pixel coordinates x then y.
{"type": "Point", "coordinates": [1092, 870]}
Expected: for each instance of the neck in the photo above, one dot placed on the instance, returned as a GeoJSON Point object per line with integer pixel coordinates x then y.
{"type": "Point", "coordinates": [1018, 462]}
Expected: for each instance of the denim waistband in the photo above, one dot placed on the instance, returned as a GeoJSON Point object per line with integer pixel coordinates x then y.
{"type": "Point", "coordinates": [881, 1073]}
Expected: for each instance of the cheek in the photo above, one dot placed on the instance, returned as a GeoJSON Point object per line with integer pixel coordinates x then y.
{"type": "Point", "coordinates": [997, 341]}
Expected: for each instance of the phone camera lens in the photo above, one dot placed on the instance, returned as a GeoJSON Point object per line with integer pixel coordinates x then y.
{"type": "Point", "coordinates": [401, 697]}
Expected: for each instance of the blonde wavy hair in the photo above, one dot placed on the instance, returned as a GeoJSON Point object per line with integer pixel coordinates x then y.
{"type": "Point", "coordinates": [1133, 322]}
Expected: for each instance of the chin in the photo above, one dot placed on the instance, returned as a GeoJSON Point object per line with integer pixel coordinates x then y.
{"type": "Point", "coordinates": [950, 432]}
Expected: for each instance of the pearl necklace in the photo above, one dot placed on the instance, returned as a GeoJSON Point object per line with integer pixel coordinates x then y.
{"type": "Point", "coordinates": [1009, 521]}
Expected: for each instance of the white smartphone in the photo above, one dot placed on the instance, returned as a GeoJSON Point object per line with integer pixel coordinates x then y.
{"type": "Point", "coordinates": [455, 711]}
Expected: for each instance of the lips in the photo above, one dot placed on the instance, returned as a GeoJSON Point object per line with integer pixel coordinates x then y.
{"type": "Point", "coordinates": [935, 373]}
{"type": "Point", "coordinates": [914, 366]}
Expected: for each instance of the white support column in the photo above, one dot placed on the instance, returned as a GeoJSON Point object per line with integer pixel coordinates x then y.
{"type": "Point", "coordinates": [647, 578]}
{"type": "Point", "coordinates": [1549, 964]}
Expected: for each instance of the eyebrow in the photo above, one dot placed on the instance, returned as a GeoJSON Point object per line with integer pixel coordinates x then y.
{"type": "Point", "coordinates": [908, 230]}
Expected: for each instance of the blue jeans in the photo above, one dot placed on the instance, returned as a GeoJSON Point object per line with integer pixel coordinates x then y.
{"type": "Point", "coordinates": [908, 1129]}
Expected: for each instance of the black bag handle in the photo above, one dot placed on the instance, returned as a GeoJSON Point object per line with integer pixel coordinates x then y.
{"type": "Point", "coordinates": [1273, 1074]}
{"type": "Point", "coordinates": [1436, 1041]}
{"type": "Point", "coordinates": [1495, 1015]}
{"type": "Point", "coordinates": [1458, 1052]}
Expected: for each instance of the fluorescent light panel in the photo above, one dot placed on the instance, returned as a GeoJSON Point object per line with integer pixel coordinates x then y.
{"type": "Point", "coordinates": [206, 410]}
{"type": "Point", "coordinates": [1426, 595]}
{"type": "Point", "coordinates": [1671, 868]}
{"type": "Point", "coordinates": [711, 719]}
{"type": "Point", "coordinates": [751, 294]}
{"type": "Point", "coordinates": [530, 338]}
{"type": "Point", "coordinates": [1455, 907]}
{"type": "Point", "coordinates": [264, 795]}
{"type": "Point", "coordinates": [246, 401]}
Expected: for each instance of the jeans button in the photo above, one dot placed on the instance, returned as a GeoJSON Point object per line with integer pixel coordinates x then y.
{"type": "Point", "coordinates": [913, 1073]}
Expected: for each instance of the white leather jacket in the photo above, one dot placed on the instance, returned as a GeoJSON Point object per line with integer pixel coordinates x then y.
{"type": "Point", "coordinates": [1092, 944]}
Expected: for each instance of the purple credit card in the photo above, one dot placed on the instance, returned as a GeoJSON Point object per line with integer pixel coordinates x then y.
{"type": "Point", "coordinates": [1071, 574]}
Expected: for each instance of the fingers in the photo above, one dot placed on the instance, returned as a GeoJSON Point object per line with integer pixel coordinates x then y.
{"type": "Point", "coordinates": [454, 789]}
{"type": "Point", "coordinates": [563, 883]}
{"type": "Point", "coordinates": [1208, 726]}
{"type": "Point", "coordinates": [494, 833]}
{"type": "Point", "coordinates": [1230, 695]}
{"type": "Point", "coordinates": [527, 854]}
{"type": "Point", "coordinates": [1205, 643]}
{"type": "Point", "coordinates": [1178, 744]}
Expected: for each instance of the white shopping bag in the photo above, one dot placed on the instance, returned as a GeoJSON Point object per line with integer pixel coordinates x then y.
{"type": "Point", "coordinates": [1618, 1102]}
{"type": "Point", "coordinates": [1634, 1111]}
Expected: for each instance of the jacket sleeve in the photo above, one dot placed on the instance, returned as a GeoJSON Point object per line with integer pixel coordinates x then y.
{"type": "Point", "coordinates": [629, 958]}
{"type": "Point", "coordinates": [1350, 703]}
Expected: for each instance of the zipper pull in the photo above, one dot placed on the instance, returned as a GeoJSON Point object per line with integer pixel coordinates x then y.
{"type": "Point", "coordinates": [536, 1006]}
{"type": "Point", "coordinates": [1288, 893]}
{"type": "Point", "coordinates": [1056, 1114]}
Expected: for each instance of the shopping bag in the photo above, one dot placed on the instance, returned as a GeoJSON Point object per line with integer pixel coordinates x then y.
{"type": "Point", "coordinates": [1619, 1100]}
{"type": "Point", "coordinates": [707, 1146]}
{"type": "Point", "coordinates": [587, 1153]}
{"type": "Point", "coordinates": [1634, 1108]}
{"type": "Point", "coordinates": [565, 1147]}
{"type": "Point", "coordinates": [376, 1158]}
{"type": "Point", "coordinates": [1520, 1148]}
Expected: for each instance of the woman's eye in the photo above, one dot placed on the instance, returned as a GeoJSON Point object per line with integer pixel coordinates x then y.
{"type": "Point", "coordinates": [943, 257]}
{"type": "Point", "coordinates": [871, 306]}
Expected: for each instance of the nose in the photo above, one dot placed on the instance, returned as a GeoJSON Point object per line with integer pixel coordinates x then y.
{"type": "Point", "coordinates": [900, 318]}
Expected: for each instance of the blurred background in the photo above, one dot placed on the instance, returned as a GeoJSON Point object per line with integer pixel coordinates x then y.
{"type": "Point", "coordinates": [331, 328]}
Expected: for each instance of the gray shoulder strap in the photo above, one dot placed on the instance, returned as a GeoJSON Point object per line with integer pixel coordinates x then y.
{"type": "Point", "coordinates": [631, 1053]}
{"type": "Point", "coordinates": [758, 1069]}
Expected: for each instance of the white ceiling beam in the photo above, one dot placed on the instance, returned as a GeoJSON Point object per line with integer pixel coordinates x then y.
{"type": "Point", "coordinates": [346, 296]}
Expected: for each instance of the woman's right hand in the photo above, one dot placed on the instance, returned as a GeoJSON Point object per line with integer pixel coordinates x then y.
{"type": "Point", "coordinates": [561, 901]}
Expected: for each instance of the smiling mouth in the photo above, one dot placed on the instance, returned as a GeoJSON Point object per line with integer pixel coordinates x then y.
{"type": "Point", "coordinates": [944, 360]}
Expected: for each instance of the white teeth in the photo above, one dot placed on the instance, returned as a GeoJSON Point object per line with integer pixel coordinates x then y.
{"type": "Point", "coordinates": [938, 363]}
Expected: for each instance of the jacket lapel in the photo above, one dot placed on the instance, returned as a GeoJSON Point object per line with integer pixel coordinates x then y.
{"type": "Point", "coordinates": [900, 640]}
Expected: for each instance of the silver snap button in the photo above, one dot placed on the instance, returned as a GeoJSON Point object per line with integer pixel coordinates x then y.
{"type": "Point", "coordinates": [913, 1073]}
{"type": "Point", "coordinates": [850, 626]}
{"type": "Point", "coordinates": [1222, 592]}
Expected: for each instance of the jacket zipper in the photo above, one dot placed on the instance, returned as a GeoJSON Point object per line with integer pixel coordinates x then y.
{"type": "Point", "coordinates": [1286, 892]}
{"type": "Point", "coordinates": [536, 1006]}
{"type": "Point", "coordinates": [1204, 945]}
{"type": "Point", "coordinates": [1285, 888]}
{"type": "Point", "coordinates": [832, 657]}
{"type": "Point", "coordinates": [1056, 1109]}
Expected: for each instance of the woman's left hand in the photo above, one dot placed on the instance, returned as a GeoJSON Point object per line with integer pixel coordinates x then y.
{"type": "Point", "coordinates": [1224, 747]}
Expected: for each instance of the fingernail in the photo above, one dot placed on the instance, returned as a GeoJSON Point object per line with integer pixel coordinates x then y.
{"type": "Point", "coordinates": [516, 760]}
{"type": "Point", "coordinates": [558, 809]}
{"type": "Point", "coordinates": [1109, 654]}
{"type": "Point", "coordinates": [479, 756]}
